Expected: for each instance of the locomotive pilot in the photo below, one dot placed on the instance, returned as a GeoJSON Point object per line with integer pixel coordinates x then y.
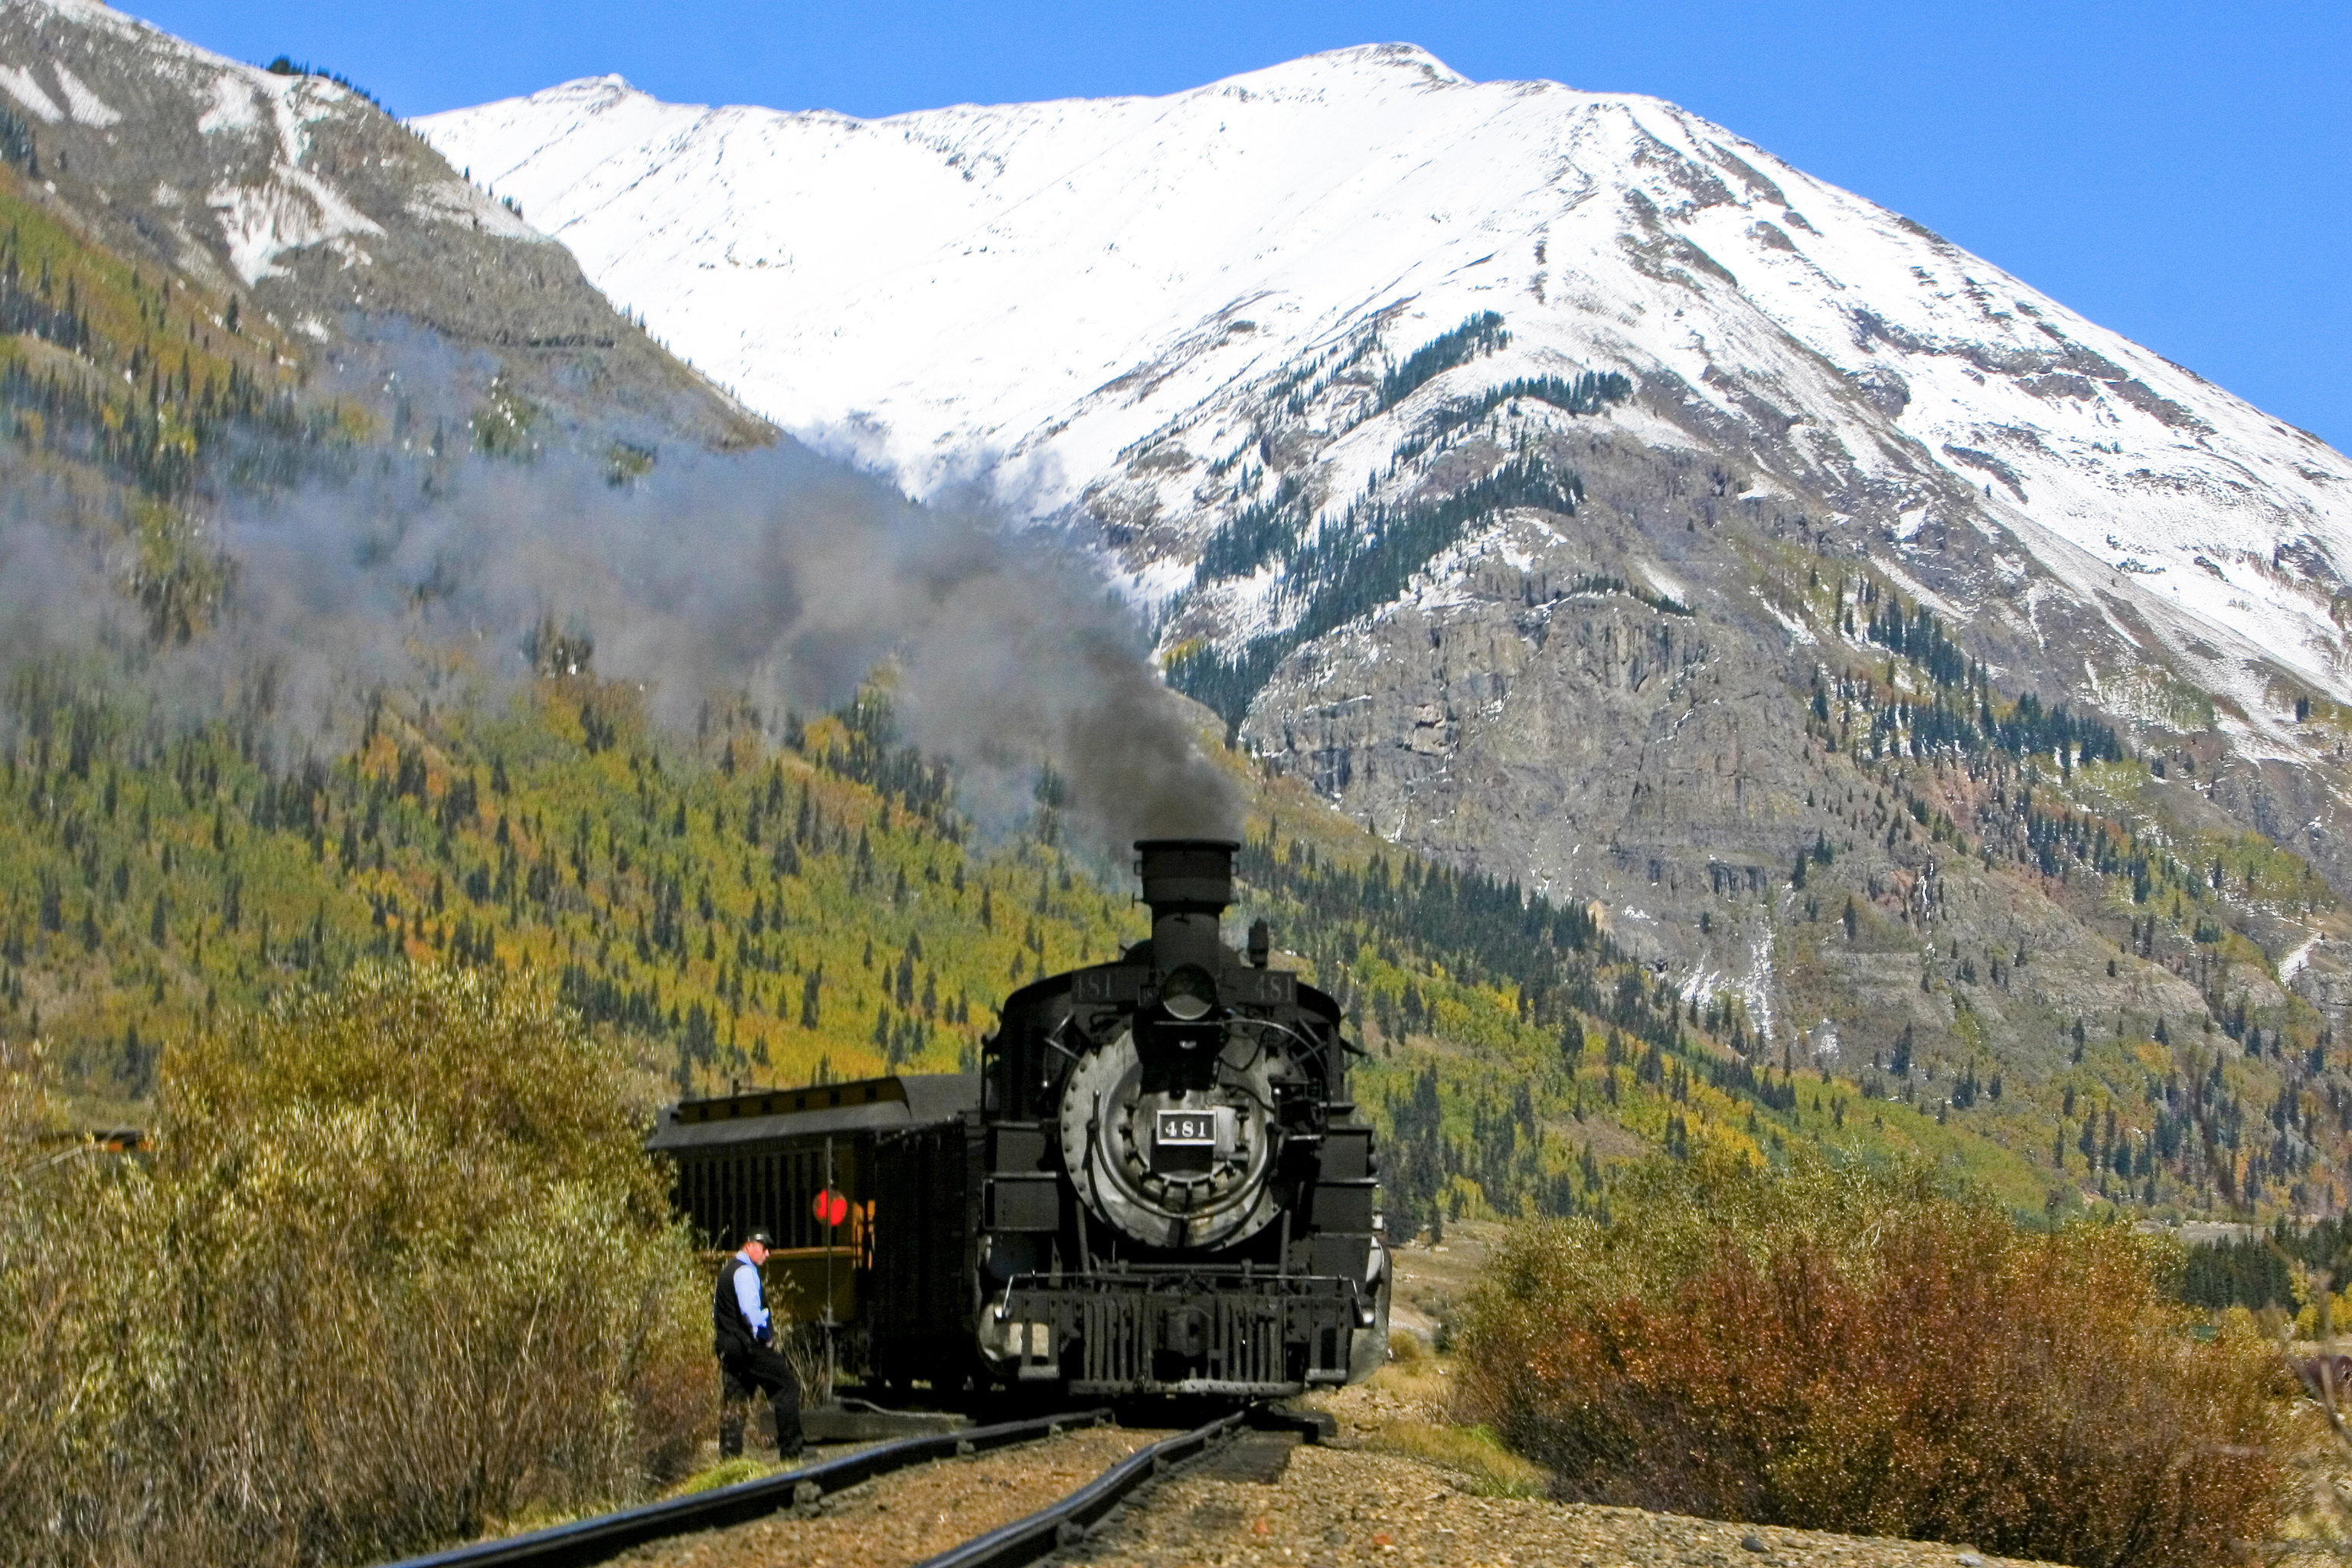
{"type": "Point", "coordinates": [743, 1338]}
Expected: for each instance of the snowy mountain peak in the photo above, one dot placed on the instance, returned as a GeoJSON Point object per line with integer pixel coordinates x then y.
{"type": "Point", "coordinates": [1250, 333]}
{"type": "Point", "coordinates": [1360, 63]}
{"type": "Point", "coordinates": [1026, 291]}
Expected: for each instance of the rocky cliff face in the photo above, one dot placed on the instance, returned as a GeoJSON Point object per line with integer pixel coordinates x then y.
{"type": "Point", "coordinates": [336, 228]}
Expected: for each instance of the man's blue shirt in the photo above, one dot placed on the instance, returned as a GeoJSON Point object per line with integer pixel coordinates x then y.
{"type": "Point", "coordinates": [750, 1298]}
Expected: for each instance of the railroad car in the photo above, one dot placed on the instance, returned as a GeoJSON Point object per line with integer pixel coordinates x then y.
{"type": "Point", "coordinates": [1156, 1183]}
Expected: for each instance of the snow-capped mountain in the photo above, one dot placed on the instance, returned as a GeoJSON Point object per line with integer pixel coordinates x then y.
{"type": "Point", "coordinates": [1545, 475]}
{"type": "Point", "coordinates": [1028, 292]}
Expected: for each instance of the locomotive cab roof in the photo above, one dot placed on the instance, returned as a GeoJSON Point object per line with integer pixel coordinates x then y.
{"type": "Point", "coordinates": [862, 1105]}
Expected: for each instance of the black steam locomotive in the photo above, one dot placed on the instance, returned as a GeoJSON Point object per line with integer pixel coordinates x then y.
{"type": "Point", "coordinates": [1156, 1183]}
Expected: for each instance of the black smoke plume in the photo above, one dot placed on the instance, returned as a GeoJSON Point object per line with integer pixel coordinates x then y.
{"type": "Point", "coordinates": [776, 573]}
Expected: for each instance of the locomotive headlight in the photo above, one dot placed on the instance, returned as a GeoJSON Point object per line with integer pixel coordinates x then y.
{"type": "Point", "coordinates": [1188, 993]}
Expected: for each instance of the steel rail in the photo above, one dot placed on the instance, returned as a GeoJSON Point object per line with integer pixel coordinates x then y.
{"type": "Point", "coordinates": [594, 1539]}
{"type": "Point", "coordinates": [1065, 1523]}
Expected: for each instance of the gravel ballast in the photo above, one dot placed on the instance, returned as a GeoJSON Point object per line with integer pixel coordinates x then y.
{"type": "Point", "coordinates": [905, 1517]}
{"type": "Point", "coordinates": [1334, 1506]}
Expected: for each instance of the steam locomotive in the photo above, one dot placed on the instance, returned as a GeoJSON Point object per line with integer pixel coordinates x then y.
{"type": "Point", "coordinates": [1155, 1184]}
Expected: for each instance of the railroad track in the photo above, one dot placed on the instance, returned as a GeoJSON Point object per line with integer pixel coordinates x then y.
{"type": "Point", "coordinates": [1024, 1541]}
{"type": "Point", "coordinates": [1065, 1523]}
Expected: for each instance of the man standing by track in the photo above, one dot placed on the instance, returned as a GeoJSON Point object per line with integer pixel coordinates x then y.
{"type": "Point", "coordinates": [744, 1340]}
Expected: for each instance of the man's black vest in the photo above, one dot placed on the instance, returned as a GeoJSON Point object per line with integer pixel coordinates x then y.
{"type": "Point", "coordinates": [731, 1331]}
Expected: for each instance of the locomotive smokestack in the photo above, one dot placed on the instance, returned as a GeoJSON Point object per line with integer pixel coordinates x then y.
{"type": "Point", "coordinates": [1187, 882]}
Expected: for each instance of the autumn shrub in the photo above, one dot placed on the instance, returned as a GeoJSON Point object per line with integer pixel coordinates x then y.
{"type": "Point", "coordinates": [1859, 1350]}
{"type": "Point", "coordinates": [60, 1283]}
{"type": "Point", "coordinates": [399, 1269]}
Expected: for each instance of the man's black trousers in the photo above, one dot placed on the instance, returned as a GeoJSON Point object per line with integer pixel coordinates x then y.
{"type": "Point", "coordinates": [743, 1373]}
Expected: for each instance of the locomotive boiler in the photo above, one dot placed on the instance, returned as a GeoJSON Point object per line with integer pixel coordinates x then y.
{"type": "Point", "coordinates": [1157, 1182]}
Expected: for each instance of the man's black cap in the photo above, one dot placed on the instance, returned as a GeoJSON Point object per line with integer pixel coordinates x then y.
{"type": "Point", "coordinates": [759, 1234]}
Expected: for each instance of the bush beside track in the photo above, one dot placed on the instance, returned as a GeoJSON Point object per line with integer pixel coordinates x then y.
{"type": "Point", "coordinates": [397, 1271]}
{"type": "Point", "coordinates": [1859, 1351]}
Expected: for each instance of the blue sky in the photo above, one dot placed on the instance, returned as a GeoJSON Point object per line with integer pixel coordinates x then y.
{"type": "Point", "coordinates": [2180, 173]}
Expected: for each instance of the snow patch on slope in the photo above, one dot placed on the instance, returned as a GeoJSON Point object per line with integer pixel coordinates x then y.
{"type": "Point", "coordinates": [459, 202]}
{"type": "Point", "coordinates": [26, 92]}
{"type": "Point", "coordinates": [290, 207]}
{"type": "Point", "coordinates": [235, 106]}
{"type": "Point", "coordinates": [88, 108]}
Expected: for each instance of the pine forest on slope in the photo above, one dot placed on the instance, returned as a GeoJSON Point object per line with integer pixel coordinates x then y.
{"type": "Point", "coordinates": [765, 914]}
